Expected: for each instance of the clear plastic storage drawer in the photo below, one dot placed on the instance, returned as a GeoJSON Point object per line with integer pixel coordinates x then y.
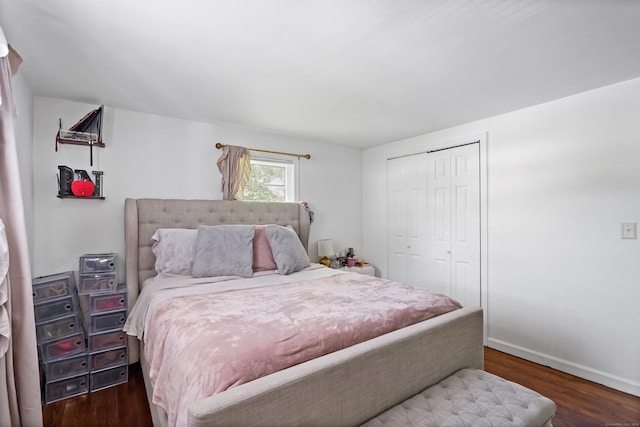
{"type": "Point", "coordinates": [102, 303]}
{"type": "Point", "coordinates": [54, 309]}
{"type": "Point", "coordinates": [107, 321]}
{"type": "Point", "coordinates": [57, 328]}
{"type": "Point", "coordinates": [66, 388]}
{"type": "Point", "coordinates": [109, 359]}
{"type": "Point", "coordinates": [107, 341]}
{"type": "Point", "coordinates": [109, 377]}
{"type": "Point", "coordinates": [98, 263]}
{"type": "Point", "coordinates": [62, 347]}
{"type": "Point", "coordinates": [96, 283]}
{"type": "Point", "coordinates": [51, 287]}
{"type": "Point", "coordinates": [67, 368]}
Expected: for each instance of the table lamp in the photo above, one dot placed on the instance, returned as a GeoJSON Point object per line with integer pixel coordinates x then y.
{"type": "Point", "coordinates": [325, 250]}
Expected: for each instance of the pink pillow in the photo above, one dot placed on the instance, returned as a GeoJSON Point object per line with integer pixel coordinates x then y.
{"type": "Point", "coordinates": [262, 257]}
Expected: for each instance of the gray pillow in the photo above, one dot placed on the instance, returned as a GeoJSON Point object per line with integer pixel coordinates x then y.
{"type": "Point", "coordinates": [287, 249]}
{"type": "Point", "coordinates": [175, 249]}
{"type": "Point", "coordinates": [224, 250]}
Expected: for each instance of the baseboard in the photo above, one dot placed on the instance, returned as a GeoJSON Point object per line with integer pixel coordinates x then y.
{"type": "Point", "coordinates": [578, 370]}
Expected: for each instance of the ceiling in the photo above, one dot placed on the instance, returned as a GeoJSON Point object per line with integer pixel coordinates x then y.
{"type": "Point", "coordinates": [351, 72]}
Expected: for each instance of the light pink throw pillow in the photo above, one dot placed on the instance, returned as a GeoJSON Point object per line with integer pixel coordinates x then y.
{"type": "Point", "coordinates": [262, 256]}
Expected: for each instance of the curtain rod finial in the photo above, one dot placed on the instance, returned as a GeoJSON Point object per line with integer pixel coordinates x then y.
{"type": "Point", "coordinates": [218, 145]}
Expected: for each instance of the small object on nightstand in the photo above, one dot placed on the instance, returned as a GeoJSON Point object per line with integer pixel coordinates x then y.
{"type": "Point", "coordinates": [351, 258]}
{"type": "Point", "coordinates": [325, 250]}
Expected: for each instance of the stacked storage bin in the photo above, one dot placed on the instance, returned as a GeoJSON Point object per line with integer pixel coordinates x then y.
{"type": "Point", "coordinates": [107, 313]}
{"type": "Point", "coordinates": [60, 337]}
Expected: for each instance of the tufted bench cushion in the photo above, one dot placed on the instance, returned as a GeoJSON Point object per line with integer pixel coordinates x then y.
{"type": "Point", "coordinates": [474, 398]}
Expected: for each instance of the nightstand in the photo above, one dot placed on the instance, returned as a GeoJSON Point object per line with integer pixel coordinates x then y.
{"type": "Point", "coordinates": [367, 269]}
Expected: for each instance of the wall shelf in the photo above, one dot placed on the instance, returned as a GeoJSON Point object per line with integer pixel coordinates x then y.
{"type": "Point", "coordinates": [81, 197]}
{"type": "Point", "coordinates": [87, 132]}
{"type": "Point", "coordinates": [85, 143]}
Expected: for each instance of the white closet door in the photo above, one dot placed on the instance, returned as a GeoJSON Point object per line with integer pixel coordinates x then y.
{"type": "Point", "coordinates": [407, 184]}
{"type": "Point", "coordinates": [453, 211]}
{"type": "Point", "coordinates": [465, 224]}
{"type": "Point", "coordinates": [397, 220]}
{"type": "Point", "coordinates": [438, 268]}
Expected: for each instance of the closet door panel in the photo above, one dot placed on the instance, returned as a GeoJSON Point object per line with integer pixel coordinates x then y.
{"type": "Point", "coordinates": [465, 239]}
{"type": "Point", "coordinates": [397, 225]}
{"type": "Point", "coordinates": [407, 219]}
{"type": "Point", "coordinates": [439, 222]}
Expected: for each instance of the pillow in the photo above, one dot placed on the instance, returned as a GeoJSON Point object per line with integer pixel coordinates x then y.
{"type": "Point", "coordinates": [287, 249]}
{"type": "Point", "coordinates": [224, 250]}
{"type": "Point", "coordinates": [262, 257]}
{"type": "Point", "coordinates": [174, 249]}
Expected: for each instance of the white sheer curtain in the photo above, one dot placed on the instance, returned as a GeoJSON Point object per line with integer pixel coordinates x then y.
{"type": "Point", "coordinates": [20, 403]}
{"type": "Point", "coordinates": [235, 166]}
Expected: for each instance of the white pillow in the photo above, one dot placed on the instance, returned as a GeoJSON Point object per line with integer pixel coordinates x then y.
{"type": "Point", "coordinates": [175, 249]}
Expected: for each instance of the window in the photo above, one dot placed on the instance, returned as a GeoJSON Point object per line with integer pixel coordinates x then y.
{"type": "Point", "coordinates": [271, 180]}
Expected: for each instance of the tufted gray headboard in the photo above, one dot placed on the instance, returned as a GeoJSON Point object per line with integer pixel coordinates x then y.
{"type": "Point", "coordinates": [144, 216]}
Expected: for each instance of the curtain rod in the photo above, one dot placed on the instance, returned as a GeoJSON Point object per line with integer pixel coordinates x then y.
{"type": "Point", "coordinates": [306, 156]}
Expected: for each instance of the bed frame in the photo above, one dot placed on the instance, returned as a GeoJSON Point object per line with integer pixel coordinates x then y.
{"type": "Point", "coordinates": [344, 388]}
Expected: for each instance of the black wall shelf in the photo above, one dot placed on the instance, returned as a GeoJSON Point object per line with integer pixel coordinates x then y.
{"type": "Point", "coordinates": [85, 143]}
{"type": "Point", "coordinates": [81, 197]}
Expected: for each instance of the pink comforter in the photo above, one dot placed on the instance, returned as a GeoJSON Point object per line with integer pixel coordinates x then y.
{"type": "Point", "coordinates": [204, 344]}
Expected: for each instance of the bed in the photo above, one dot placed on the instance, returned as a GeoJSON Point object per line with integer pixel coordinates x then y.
{"type": "Point", "coordinates": [345, 385]}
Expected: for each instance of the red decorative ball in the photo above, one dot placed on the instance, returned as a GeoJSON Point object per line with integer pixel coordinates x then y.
{"type": "Point", "coordinates": [82, 188]}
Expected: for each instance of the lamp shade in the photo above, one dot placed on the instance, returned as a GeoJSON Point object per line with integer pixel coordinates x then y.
{"type": "Point", "coordinates": [325, 248]}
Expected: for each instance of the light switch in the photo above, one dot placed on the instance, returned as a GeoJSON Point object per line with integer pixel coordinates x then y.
{"type": "Point", "coordinates": [629, 230]}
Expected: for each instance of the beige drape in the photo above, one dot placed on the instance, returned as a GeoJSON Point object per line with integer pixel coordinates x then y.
{"type": "Point", "coordinates": [235, 166]}
{"type": "Point", "coordinates": [20, 403]}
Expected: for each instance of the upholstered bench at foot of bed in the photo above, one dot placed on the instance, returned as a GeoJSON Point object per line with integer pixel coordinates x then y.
{"type": "Point", "coordinates": [471, 397]}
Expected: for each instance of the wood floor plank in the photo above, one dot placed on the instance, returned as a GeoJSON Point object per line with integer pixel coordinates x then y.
{"type": "Point", "coordinates": [581, 403]}
{"type": "Point", "coordinates": [119, 406]}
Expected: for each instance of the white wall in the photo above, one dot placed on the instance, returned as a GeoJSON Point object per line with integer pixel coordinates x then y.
{"type": "Point", "coordinates": [563, 287]}
{"type": "Point", "coordinates": [154, 156]}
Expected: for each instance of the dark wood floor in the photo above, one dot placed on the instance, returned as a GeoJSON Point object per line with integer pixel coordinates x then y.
{"type": "Point", "coordinates": [581, 403]}
{"type": "Point", "coordinates": [123, 405]}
